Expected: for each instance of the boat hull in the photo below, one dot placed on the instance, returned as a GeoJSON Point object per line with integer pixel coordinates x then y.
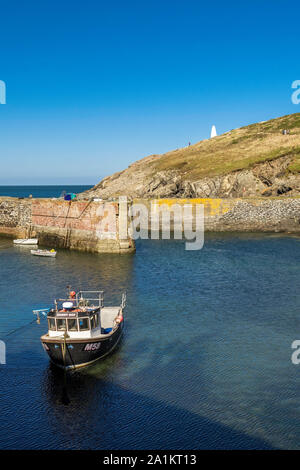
{"type": "Point", "coordinates": [26, 241]}
{"type": "Point", "coordinates": [45, 253]}
{"type": "Point", "coordinates": [73, 354]}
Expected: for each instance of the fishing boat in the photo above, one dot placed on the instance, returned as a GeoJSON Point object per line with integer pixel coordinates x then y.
{"type": "Point", "coordinates": [81, 330]}
{"type": "Point", "coordinates": [26, 241]}
{"type": "Point", "coordinates": [49, 253]}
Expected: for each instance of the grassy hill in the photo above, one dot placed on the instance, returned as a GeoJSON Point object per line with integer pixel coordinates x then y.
{"type": "Point", "coordinates": [237, 150]}
{"type": "Point", "coordinates": [253, 160]}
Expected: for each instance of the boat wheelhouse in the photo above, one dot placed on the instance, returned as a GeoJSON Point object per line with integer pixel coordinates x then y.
{"type": "Point", "coordinates": [81, 329]}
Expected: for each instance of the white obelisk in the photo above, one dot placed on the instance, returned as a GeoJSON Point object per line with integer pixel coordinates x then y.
{"type": "Point", "coordinates": [213, 132]}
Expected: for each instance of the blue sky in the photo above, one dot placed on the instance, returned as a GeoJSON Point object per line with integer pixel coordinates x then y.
{"type": "Point", "coordinates": [93, 86]}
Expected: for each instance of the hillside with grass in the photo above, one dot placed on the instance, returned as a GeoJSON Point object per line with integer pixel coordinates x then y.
{"type": "Point", "coordinates": [259, 159]}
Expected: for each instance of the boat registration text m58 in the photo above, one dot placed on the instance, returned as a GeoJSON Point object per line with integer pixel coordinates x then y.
{"type": "Point", "coordinates": [92, 346]}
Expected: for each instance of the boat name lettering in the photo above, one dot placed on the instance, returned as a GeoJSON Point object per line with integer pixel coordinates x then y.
{"type": "Point", "coordinates": [66, 315]}
{"type": "Point", "coordinates": [92, 346]}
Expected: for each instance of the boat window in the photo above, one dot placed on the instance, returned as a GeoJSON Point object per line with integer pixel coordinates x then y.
{"type": "Point", "coordinates": [97, 319]}
{"type": "Point", "coordinates": [93, 323]}
{"type": "Point", "coordinates": [51, 323]}
{"type": "Point", "coordinates": [84, 324]}
{"type": "Point", "coordinates": [61, 324]}
{"type": "Point", "coordinates": [72, 324]}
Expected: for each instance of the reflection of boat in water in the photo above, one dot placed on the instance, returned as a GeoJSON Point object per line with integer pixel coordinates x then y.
{"type": "Point", "coordinates": [26, 241]}
{"type": "Point", "coordinates": [81, 330]}
{"type": "Point", "coordinates": [47, 253]}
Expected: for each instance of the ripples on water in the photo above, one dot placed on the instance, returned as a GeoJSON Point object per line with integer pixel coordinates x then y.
{"type": "Point", "coordinates": [204, 363]}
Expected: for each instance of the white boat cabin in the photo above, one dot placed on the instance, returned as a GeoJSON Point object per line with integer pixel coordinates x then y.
{"type": "Point", "coordinates": [78, 318]}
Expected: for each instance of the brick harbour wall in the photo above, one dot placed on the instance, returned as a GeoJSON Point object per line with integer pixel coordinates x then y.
{"type": "Point", "coordinates": [81, 225]}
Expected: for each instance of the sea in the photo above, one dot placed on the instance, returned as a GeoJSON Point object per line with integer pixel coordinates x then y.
{"type": "Point", "coordinates": [206, 357]}
{"type": "Point", "coordinates": [41, 191]}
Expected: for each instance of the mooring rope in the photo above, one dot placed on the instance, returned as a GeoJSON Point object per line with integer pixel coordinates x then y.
{"type": "Point", "coordinates": [19, 328]}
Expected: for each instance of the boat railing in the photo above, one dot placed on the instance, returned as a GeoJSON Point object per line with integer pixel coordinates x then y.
{"type": "Point", "coordinates": [97, 296]}
{"type": "Point", "coordinates": [85, 298]}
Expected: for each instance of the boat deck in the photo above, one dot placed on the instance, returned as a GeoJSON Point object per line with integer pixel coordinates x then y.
{"type": "Point", "coordinates": [108, 314]}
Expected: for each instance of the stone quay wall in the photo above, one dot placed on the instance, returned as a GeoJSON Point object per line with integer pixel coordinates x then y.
{"type": "Point", "coordinates": [258, 214]}
{"type": "Point", "coordinates": [82, 225]}
{"type": "Point", "coordinates": [101, 226]}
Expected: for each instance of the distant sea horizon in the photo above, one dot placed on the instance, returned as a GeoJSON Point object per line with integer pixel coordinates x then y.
{"type": "Point", "coordinates": [41, 191]}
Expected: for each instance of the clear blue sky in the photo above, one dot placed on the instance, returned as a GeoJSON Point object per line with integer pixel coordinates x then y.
{"type": "Point", "coordinates": [93, 86]}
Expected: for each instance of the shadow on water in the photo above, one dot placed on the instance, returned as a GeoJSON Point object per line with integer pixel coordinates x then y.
{"type": "Point", "coordinates": [92, 410]}
{"type": "Point", "coordinates": [103, 415]}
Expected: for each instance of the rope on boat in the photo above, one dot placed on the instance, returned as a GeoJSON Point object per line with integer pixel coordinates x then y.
{"type": "Point", "coordinates": [64, 349]}
{"type": "Point", "coordinates": [65, 397]}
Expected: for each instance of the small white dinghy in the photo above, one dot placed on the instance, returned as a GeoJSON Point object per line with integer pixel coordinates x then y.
{"type": "Point", "coordinates": [26, 241]}
{"type": "Point", "coordinates": [50, 253]}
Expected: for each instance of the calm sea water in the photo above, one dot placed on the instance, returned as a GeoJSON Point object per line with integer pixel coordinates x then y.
{"type": "Point", "coordinates": [41, 191]}
{"type": "Point", "coordinates": [205, 361]}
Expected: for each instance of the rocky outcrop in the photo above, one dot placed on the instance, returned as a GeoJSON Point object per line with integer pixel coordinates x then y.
{"type": "Point", "coordinates": [270, 178]}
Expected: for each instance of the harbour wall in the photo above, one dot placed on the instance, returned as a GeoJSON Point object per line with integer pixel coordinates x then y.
{"type": "Point", "coordinates": [258, 214]}
{"type": "Point", "coordinates": [101, 226]}
{"type": "Point", "coordinates": [80, 225]}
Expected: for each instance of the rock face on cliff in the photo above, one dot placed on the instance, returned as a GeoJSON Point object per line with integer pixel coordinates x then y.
{"type": "Point", "coordinates": [260, 159]}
